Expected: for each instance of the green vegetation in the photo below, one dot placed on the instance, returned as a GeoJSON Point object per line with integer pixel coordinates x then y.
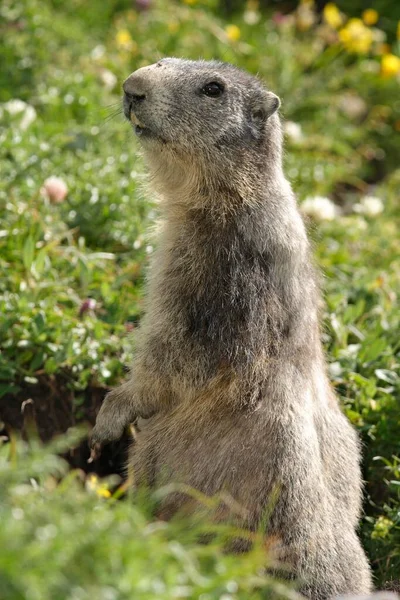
{"type": "Point", "coordinates": [71, 267]}
{"type": "Point", "coordinates": [63, 541]}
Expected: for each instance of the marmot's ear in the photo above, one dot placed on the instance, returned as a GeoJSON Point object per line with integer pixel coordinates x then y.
{"type": "Point", "coordinates": [265, 107]}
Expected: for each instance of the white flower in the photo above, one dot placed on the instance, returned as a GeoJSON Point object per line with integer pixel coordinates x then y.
{"type": "Point", "coordinates": [352, 105]}
{"type": "Point", "coordinates": [28, 118]}
{"type": "Point", "coordinates": [55, 189]}
{"type": "Point", "coordinates": [14, 107]}
{"type": "Point", "coordinates": [378, 35]}
{"type": "Point", "coordinates": [335, 370]}
{"type": "Point", "coordinates": [98, 52]}
{"type": "Point", "coordinates": [19, 107]}
{"type": "Point", "coordinates": [293, 131]}
{"type": "Point", "coordinates": [108, 79]}
{"type": "Point", "coordinates": [357, 222]}
{"type": "Point", "coordinates": [371, 206]}
{"type": "Point", "coordinates": [320, 208]}
{"type": "Point", "coordinates": [251, 17]}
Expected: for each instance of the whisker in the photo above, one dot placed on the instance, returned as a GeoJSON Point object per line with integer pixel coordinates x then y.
{"type": "Point", "coordinates": [112, 104]}
{"type": "Point", "coordinates": [114, 113]}
{"type": "Point", "coordinates": [111, 117]}
{"type": "Point", "coordinates": [108, 108]}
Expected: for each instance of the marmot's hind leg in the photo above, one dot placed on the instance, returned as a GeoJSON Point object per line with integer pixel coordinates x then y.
{"type": "Point", "coordinates": [338, 570]}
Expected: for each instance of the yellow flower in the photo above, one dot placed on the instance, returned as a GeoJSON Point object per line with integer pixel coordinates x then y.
{"type": "Point", "coordinates": [232, 32]}
{"type": "Point", "coordinates": [370, 16]}
{"type": "Point", "coordinates": [190, 2]}
{"type": "Point", "coordinates": [382, 528]}
{"type": "Point", "coordinates": [390, 65]}
{"type": "Point", "coordinates": [130, 15]}
{"type": "Point", "coordinates": [356, 37]}
{"type": "Point", "coordinates": [100, 489]}
{"type": "Point", "coordinates": [123, 39]}
{"type": "Point", "coordinates": [103, 492]}
{"type": "Point", "coordinates": [332, 15]}
{"type": "Point", "coordinates": [383, 49]}
{"type": "Point", "coordinates": [173, 26]}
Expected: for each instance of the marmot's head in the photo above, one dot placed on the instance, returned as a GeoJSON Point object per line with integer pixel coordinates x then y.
{"type": "Point", "coordinates": [210, 114]}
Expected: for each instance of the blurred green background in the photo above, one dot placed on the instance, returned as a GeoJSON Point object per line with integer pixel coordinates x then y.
{"type": "Point", "coordinates": [74, 247]}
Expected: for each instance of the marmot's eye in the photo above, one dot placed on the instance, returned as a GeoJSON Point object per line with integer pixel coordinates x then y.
{"type": "Point", "coordinates": [213, 89]}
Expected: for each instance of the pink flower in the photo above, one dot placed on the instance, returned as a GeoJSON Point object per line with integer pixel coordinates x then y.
{"type": "Point", "coordinates": [279, 18]}
{"type": "Point", "coordinates": [55, 189]}
{"type": "Point", "coordinates": [143, 4]}
{"type": "Point", "coordinates": [87, 305]}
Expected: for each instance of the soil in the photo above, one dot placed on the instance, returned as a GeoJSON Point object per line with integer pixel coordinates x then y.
{"type": "Point", "coordinates": [50, 408]}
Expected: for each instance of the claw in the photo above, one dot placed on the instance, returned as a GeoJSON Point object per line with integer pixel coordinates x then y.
{"type": "Point", "coordinates": [95, 453]}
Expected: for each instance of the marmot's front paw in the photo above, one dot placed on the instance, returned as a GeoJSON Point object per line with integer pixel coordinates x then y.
{"type": "Point", "coordinates": [104, 432]}
{"type": "Point", "coordinates": [111, 421]}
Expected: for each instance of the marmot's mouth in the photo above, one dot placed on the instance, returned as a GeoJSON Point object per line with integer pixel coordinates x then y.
{"type": "Point", "coordinates": [140, 130]}
{"type": "Point", "coordinates": [138, 126]}
{"type": "Point", "coordinates": [134, 120]}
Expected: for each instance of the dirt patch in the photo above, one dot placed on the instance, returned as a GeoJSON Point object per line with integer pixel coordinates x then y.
{"type": "Point", "coordinates": [49, 408]}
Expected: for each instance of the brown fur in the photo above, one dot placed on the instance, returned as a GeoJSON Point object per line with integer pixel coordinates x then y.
{"type": "Point", "coordinates": [229, 365]}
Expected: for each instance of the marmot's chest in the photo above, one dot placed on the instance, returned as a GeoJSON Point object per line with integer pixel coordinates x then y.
{"type": "Point", "coordinates": [225, 309]}
{"type": "Point", "coordinates": [218, 288]}
{"type": "Point", "coordinates": [220, 311]}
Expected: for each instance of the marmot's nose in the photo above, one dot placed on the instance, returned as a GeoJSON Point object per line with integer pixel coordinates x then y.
{"type": "Point", "coordinates": [135, 98]}
{"type": "Point", "coordinates": [136, 87]}
{"type": "Point", "coordinates": [134, 90]}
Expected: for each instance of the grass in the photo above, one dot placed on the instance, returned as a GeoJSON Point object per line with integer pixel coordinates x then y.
{"type": "Point", "coordinates": [94, 246]}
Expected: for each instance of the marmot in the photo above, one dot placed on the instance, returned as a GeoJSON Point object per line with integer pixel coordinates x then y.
{"type": "Point", "coordinates": [229, 363]}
